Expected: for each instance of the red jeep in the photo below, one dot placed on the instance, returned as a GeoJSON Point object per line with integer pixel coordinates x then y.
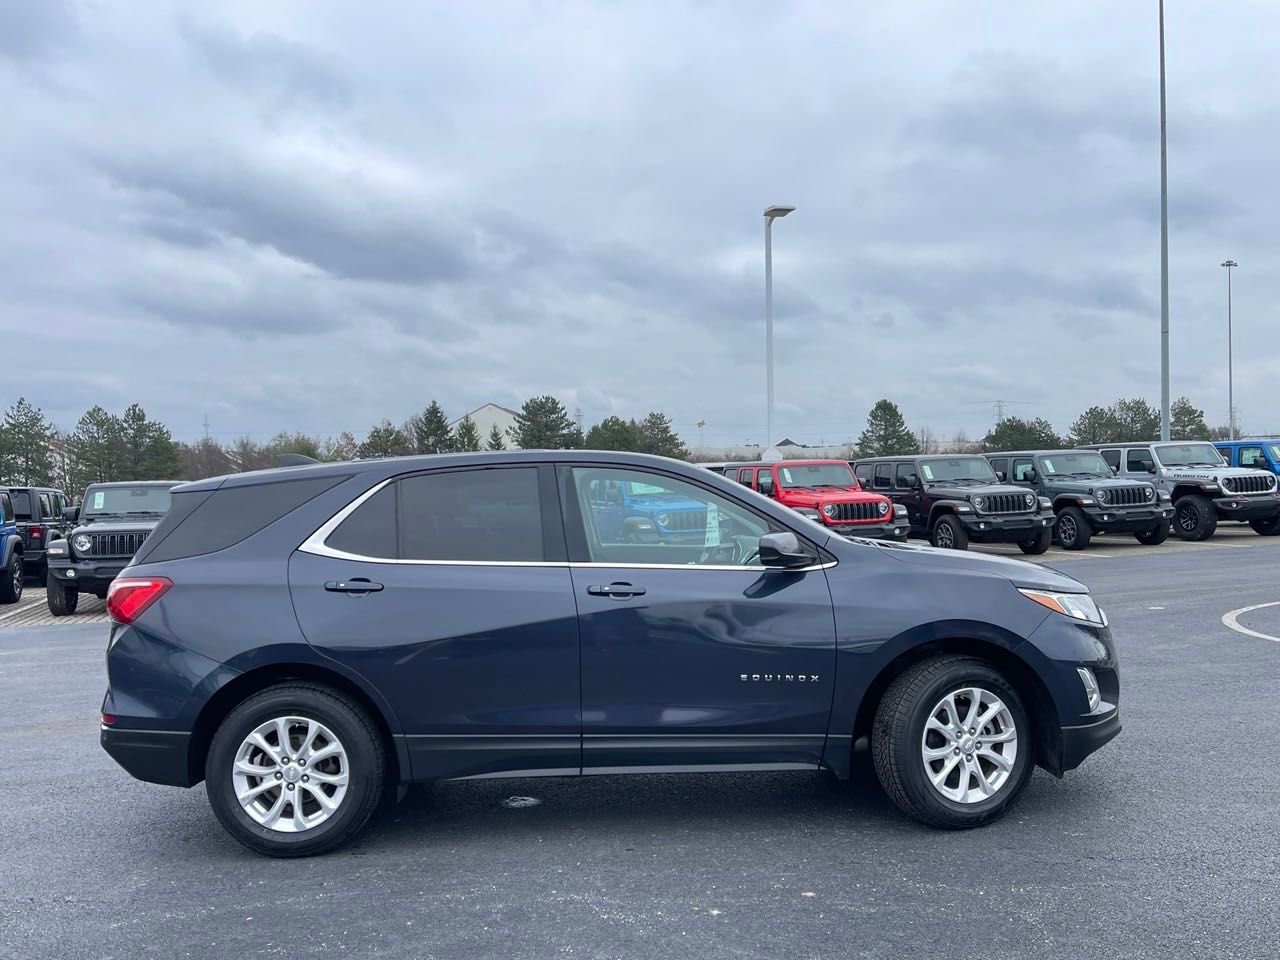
{"type": "Point", "coordinates": [827, 492]}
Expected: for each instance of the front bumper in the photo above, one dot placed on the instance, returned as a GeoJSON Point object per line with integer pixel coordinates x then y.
{"type": "Point", "coordinates": [1105, 519]}
{"type": "Point", "coordinates": [889, 530]}
{"type": "Point", "coordinates": [1233, 507]}
{"type": "Point", "coordinates": [86, 574]}
{"type": "Point", "coordinates": [156, 756]}
{"type": "Point", "coordinates": [1080, 741]}
{"type": "Point", "coordinates": [1005, 528]}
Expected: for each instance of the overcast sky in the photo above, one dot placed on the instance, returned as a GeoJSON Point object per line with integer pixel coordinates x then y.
{"type": "Point", "coordinates": [310, 215]}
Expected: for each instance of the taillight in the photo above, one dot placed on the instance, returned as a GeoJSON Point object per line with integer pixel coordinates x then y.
{"type": "Point", "coordinates": [128, 597]}
{"type": "Point", "coordinates": [35, 532]}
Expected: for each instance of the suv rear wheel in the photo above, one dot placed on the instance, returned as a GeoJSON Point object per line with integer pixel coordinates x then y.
{"type": "Point", "coordinates": [1074, 532]}
{"type": "Point", "coordinates": [1037, 544]}
{"type": "Point", "coordinates": [1156, 535]}
{"type": "Point", "coordinates": [62, 600]}
{"type": "Point", "coordinates": [295, 770]}
{"type": "Point", "coordinates": [952, 744]}
{"type": "Point", "coordinates": [11, 581]}
{"type": "Point", "coordinates": [948, 533]}
{"type": "Point", "coordinates": [1267, 528]}
{"type": "Point", "coordinates": [1194, 517]}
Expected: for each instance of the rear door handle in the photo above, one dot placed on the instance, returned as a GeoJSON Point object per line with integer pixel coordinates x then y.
{"type": "Point", "coordinates": [619, 591]}
{"type": "Point", "coordinates": [356, 585]}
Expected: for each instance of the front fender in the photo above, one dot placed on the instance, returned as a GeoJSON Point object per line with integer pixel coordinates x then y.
{"type": "Point", "coordinates": [12, 545]}
{"type": "Point", "coordinates": [961, 507]}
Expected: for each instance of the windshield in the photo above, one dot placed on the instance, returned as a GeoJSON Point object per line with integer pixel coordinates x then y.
{"type": "Point", "coordinates": [123, 501]}
{"type": "Point", "coordinates": [953, 469]}
{"type": "Point", "coordinates": [1075, 464]}
{"type": "Point", "coordinates": [816, 475]}
{"type": "Point", "coordinates": [1189, 455]}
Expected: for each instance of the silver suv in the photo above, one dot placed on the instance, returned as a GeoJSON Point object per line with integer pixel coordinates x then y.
{"type": "Point", "coordinates": [1204, 489]}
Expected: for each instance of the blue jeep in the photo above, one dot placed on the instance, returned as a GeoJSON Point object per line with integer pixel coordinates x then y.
{"type": "Point", "coordinates": [631, 512]}
{"type": "Point", "coordinates": [11, 552]}
{"type": "Point", "coordinates": [1259, 453]}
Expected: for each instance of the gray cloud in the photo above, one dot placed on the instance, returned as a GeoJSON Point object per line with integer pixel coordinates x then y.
{"type": "Point", "coordinates": [31, 31]}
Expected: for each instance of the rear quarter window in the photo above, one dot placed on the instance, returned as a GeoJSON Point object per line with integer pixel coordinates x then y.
{"type": "Point", "coordinates": [21, 500]}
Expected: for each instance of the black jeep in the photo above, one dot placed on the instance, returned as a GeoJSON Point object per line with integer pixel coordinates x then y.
{"type": "Point", "coordinates": [955, 498]}
{"type": "Point", "coordinates": [111, 523]}
{"type": "Point", "coordinates": [1087, 496]}
{"type": "Point", "coordinates": [40, 513]}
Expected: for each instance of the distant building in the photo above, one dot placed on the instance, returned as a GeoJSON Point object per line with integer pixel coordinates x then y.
{"type": "Point", "coordinates": [486, 418]}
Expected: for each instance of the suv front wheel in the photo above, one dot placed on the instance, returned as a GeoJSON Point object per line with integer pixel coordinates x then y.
{"type": "Point", "coordinates": [1038, 544]}
{"type": "Point", "coordinates": [62, 600]}
{"type": "Point", "coordinates": [952, 744]}
{"type": "Point", "coordinates": [295, 770]}
{"type": "Point", "coordinates": [1155, 535]}
{"type": "Point", "coordinates": [1194, 517]}
{"type": "Point", "coordinates": [1074, 532]}
{"type": "Point", "coordinates": [1267, 528]}
{"type": "Point", "coordinates": [949, 534]}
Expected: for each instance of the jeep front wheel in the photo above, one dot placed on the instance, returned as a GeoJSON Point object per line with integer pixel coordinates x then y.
{"type": "Point", "coordinates": [1194, 517]}
{"type": "Point", "coordinates": [951, 743]}
{"type": "Point", "coordinates": [62, 600]}
{"type": "Point", "coordinates": [1266, 528]}
{"type": "Point", "coordinates": [11, 581]}
{"type": "Point", "coordinates": [1038, 544]}
{"type": "Point", "coordinates": [1074, 532]}
{"type": "Point", "coordinates": [1155, 535]}
{"type": "Point", "coordinates": [948, 534]}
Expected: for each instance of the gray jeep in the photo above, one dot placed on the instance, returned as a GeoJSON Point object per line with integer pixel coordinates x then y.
{"type": "Point", "coordinates": [1204, 489]}
{"type": "Point", "coordinates": [1087, 497]}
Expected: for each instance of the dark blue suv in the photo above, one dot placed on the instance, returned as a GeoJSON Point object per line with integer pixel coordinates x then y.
{"type": "Point", "coordinates": [302, 638]}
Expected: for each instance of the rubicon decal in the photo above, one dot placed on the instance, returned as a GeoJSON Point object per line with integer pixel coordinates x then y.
{"type": "Point", "coordinates": [778, 677]}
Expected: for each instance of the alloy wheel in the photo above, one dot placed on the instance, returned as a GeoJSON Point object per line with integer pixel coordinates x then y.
{"type": "Point", "coordinates": [1187, 518]}
{"type": "Point", "coordinates": [1067, 531]}
{"type": "Point", "coordinates": [943, 536]}
{"type": "Point", "coordinates": [970, 745]}
{"type": "Point", "coordinates": [290, 774]}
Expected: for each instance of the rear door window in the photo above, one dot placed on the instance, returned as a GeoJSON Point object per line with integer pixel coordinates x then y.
{"type": "Point", "coordinates": [476, 515]}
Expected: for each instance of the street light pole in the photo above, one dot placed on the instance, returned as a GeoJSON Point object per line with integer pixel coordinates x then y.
{"type": "Point", "coordinates": [1231, 399]}
{"type": "Point", "coordinates": [771, 213]}
{"type": "Point", "coordinates": [1164, 252]}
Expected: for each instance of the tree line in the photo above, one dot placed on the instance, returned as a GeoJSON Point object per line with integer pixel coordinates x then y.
{"type": "Point", "coordinates": [130, 446]}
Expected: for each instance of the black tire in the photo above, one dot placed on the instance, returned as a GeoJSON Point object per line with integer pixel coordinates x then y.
{"type": "Point", "coordinates": [1194, 517]}
{"type": "Point", "coordinates": [948, 533]}
{"type": "Point", "coordinates": [1039, 543]}
{"type": "Point", "coordinates": [1074, 532]}
{"type": "Point", "coordinates": [1266, 528]}
{"type": "Point", "coordinates": [62, 600]}
{"type": "Point", "coordinates": [899, 732]}
{"type": "Point", "coordinates": [11, 580]}
{"type": "Point", "coordinates": [1156, 535]}
{"type": "Point", "coordinates": [42, 575]}
{"type": "Point", "coordinates": [353, 728]}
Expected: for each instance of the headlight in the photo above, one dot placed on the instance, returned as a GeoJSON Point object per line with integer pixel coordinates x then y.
{"type": "Point", "coordinates": [58, 548]}
{"type": "Point", "coordinates": [1226, 484]}
{"type": "Point", "coordinates": [1151, 493]}
{"type": "Point", "coordinates": [884, 507]}
{"type": "Point", "coordinates": [1101, 495]}
{"type": "Point", "coordinates": [1031, 499]}
{"type": "Point", "coordinates": [828, 510]}
{"type": "Point", "coordinates": [979, 503]}
{"type": "Point", "coordinates": [1077, 606]}
{"type": "Point", "coordinates": [1091, 692]}
{"type": "Point", "coordinates": [82, 544]}
{"type": "Point", "coordinates": [664, 519]}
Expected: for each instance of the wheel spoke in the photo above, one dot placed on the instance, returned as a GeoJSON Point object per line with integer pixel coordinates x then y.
{"type": "Point", "coordinates": [330, 749]}
{"type": "Point", "coordinates": [327, 804]}
{"type": "Point", "coordinates": [983, 784]}
{"type": "Point", "coordinates": [975, 703]}
{"type": "Point", "coordinates": [253, 792]}
{"type": "Point", "coordinates": [273, 815]}
{"type": "Point", "coordinates": [282, 735]}
{"type": "Point", "coordinates": [933, 723]}
{"type": "Point", "coordinates": [990, 715]}
{"type": "Point", "coordinates": [335, 779]}
{"type": "Point", "coordinates": [305, 749]}
{"type": "Point", "coordinates": [963, 786]}
{"type": "Point", "coordinates": [253, 769]}
{"type": "Point", "coordinates": [937, 753]}
{"type": "Point", "coordinates": [261, 743]}
{"type": "Point", "coordinates": [299, 820]}
{"type": "Point", "coordinates": [940, 777]}
{"type": "Point", "coordinates": [953, 712]}
{"type": "Point", "coordinates": [998, 759]}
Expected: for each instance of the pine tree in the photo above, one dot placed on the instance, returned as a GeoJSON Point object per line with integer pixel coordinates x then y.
{"type": "Point", "coordinates": [465, 436]}
{"type": "Point", "coordinates": [657, 437]}
{"type": "Point", "coordinates": [429, 431]}
{"type": "Point", "coordinates": [95, 450]}
{"type": "Point", "coordinates": [1138, 419]}
{"type": "Point", "coordinates": [613, 433]}
{"type": "Point", "coordinates": [299, 443]}
{"type": "Point", "coordinates": [149, 452]}
{"type": "Point", "coordinates": [1013, 433]}
{"type": "Point", "coordinates": [385, 440]}
{"type": "Point", "coordinates": [1186, 421]}
{"type": "Point", "coordinates": [886, 433]}
{"type": "Point", "coordinates": [495, 439]}
{"type": "Point", "coordinates": [544, 424]}
{"type": "Point", "coordinates": [1096, 425]}
{"type": "Point", "coordinates": [26, 439]}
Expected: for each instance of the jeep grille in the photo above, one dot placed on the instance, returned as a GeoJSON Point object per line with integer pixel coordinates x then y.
{"type": "Point", "coordinates": [1127, 496]}
{"type": "Point", "coordinates": [1248, 484]}
{"type": "Point", "coordinates": [115, 544]}
{"type": "Point", "coordinates": [861, 512]}
{"type": "Point", "coordinates": [1007, 503]}
{"type": "Point", "coordinates": [684, 520]}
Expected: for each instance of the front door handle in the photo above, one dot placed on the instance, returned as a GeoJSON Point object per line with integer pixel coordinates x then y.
{"type": "Point", "coordinates": [356, 585]}
{"type": "Point", "coordinates": [619, 591]}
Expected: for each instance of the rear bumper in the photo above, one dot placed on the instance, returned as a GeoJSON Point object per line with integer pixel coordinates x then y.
{"type": "Point", "coordinates": [155, 756]}
{"type": "Point", "coordinates": [1079, 742]}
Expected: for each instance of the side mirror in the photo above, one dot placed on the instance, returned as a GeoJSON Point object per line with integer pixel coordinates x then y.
{"type": "Point", "coordinates": [913, 481]}
{"type": "Point", "coordinates": [785, 550]}
{"type": "Point", "coordinates": [1029, 476]}
{"type": "Point", "coordinates": [71, 514]}
{"type": "Point", "coordinates": [1002, 476]}
{"type": "Point", "coordinates": [766, 484]}
{"type": "Point", "coordinates": [1148, 465]}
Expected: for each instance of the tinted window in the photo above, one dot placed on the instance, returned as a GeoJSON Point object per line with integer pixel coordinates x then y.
{"type": "Point", "coordinates": [1252, 457]}
{"type": "Point", "coordinates": [21, 500]}
{"type": "Point", "coordinates": [1112, 457]}
{"type": "Point", "coordinates": [882, 476]}
{"type": "Point", "coordinates": [863, 472]}
{"type": "Point", "coordinates": [907, 477]}
{"type": "Point", "coordinates": [7, 506]}
{"type": "Point", "coordinates": [228, 515]}
{"type": "Point", "coordinates": [1000, 466]}
{"type": "Point", "coordinates": [471, 515]}
{"type": "Point", "coordinates": [46, 506]}
{"type": "Point", "coordinates": [1133, 461]}
{"type": "Point", "coordinates": [764, 481]}
{"type": "Point", "coordinates": [370, 531]}
{"type": "Point", "coordinates": [744, 477]}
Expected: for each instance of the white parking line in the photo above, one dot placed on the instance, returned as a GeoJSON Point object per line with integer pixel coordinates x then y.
{"type": "Point", "coordinates": [1230, 621]}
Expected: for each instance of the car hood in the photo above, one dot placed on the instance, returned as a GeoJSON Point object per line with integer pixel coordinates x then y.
{"type": "Point", "coordinates": [131, 525]}
{"type": "Point", "coordinates": [1020, 573]}
{"type": "Point", "coordinates": [1212, 473]}
{"type": "Point", "coordinates": [969, 491]}
{"type": "Point", "coordinates": [816, 496]}
{"type": "Point", "coordinates": [1097, 483]}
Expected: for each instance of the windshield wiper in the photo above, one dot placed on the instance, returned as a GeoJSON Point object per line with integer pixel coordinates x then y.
{"type": "Point", "coordinates": [1089, 474]}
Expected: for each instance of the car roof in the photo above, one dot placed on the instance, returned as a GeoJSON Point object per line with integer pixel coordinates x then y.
{"type": "Point", "coordinates": [789, 462]}
{"type": "Point", "coordinates": [1036, 453]}
{"type": "Point", "coordinates": [1242, 441]}
{"type": "Point", "coordinates": [135, 483]}
{"type": "Point", "coordinates": [394, 466]}
{"type": "Point", "coordinates": [1137, 443]}
{"type": "Point", "coordinates": [918, 456]}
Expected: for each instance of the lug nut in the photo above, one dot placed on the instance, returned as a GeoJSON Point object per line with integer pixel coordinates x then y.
{"type": "Point", "coordinates": [957, 754]}
{"type": "Point", "coordinates": [302, 763]}
{"type": "Point", "coordinates": [279, 775]}
{"type": "Point", "coordinates": [305, 778]}
{"type": "Point", "coordinates": [284, 760]}
{"type": "Point", "coordinates": [290, 786]}
{"type": "Point", "coordinates": [971, 733]}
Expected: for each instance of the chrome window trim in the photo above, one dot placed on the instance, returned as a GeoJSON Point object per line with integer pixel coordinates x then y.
{"type": "Point", "coordinates": [315, 545]}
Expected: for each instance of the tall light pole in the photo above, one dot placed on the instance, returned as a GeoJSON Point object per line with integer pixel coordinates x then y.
{"type": "Point", "coordinates": [1231, 400]}
{"type": "Point", "coordinates": [1164, 252]}
{"type": "Point", "coordinates": [771, 213]}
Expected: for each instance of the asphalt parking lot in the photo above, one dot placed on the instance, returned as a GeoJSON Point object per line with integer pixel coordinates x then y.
{"type": "Point", "coordinates": [1164, 844]}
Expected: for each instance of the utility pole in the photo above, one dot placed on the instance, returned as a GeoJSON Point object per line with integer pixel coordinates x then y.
{"type": "Point", "coordinates": [1231, 400]}
{"type": "Point", "coordinates": [701, 444]}
{"type": "Point", "coordinates": [206, 428]}
{"type": "Point", "coordinates": [771, 213]}
{"type": "Point", "coordinates": [1164, 250]}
